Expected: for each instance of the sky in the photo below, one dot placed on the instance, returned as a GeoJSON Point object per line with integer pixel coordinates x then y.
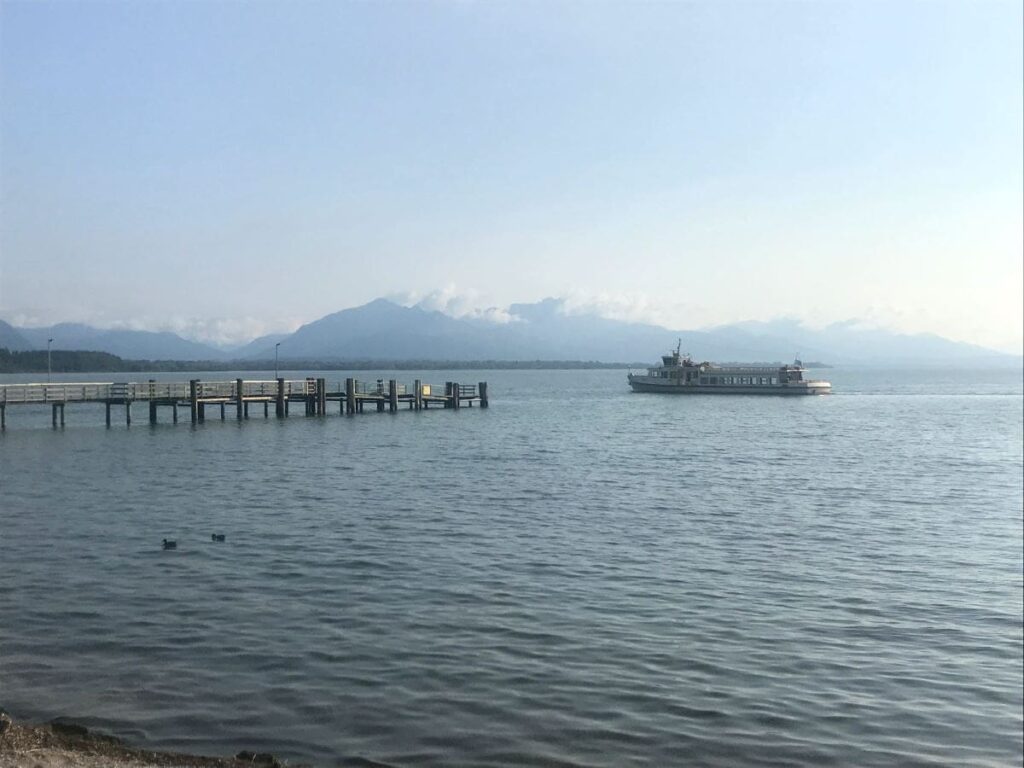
{"type": "Point", "coordinates": [226, 169]}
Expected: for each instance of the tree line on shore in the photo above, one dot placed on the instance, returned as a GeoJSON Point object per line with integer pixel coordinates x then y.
{"type": "Point", "coordinates": [76, 361]}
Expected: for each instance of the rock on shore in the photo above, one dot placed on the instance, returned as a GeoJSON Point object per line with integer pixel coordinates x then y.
{"type": "Point", "coordinates": [63, 745]}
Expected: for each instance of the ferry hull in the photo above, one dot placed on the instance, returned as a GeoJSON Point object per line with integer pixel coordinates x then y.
{"type": "Point", "coordinates": [697, 389]}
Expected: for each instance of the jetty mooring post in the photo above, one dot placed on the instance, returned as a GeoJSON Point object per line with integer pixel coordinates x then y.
{"type": "Point", "coordinates": [241, 411]}
{"type": "Point", "coordinates": [193, 399]}
{"type": "Point", "coordinates": [350, 396]}
{"type": "Point", "coordinates": [108, 413]}
{"type": "Point", "coordinates": [151, 392]}
{"type": "Point", "coordinates": [482, 389]}
{"type": "Point", "coordinates": [321, 397]}
{"type": "Point", "coordinates": [455, 395]}
{"type": "Point", "coordinates": [310, 396]}
{"type": "Point", "coordinates": [3, 416]}
{"type": "Point", "coordinates": [280, 398]}
{"type": "Point", "coordinates": [128, 413]}
{"type": "Point", "coordinates": [417, 398]}
{"type": "Point", "coordinates": [392, 395]}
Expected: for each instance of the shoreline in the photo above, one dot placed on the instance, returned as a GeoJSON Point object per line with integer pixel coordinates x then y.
{"type": "Point", "coordinates": [63, 744]}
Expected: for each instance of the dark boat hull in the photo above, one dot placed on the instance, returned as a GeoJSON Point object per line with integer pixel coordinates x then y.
{"type": "Point", "coordinates": [697, 389]}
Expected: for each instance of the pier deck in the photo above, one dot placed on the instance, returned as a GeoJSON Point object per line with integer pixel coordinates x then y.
{"type": "Point", "coordinates": [314, 394]}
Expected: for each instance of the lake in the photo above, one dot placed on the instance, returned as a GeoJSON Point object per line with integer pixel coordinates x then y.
{"type": "Point", "coordinates": [576, 576]}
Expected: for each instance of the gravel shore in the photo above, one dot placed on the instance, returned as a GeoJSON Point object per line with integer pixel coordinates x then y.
{"type": "Point", "coordinates": [63, 745]}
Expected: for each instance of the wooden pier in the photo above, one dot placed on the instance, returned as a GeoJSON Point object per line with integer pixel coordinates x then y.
{"type": "Point", "coordinates": [314, 394]}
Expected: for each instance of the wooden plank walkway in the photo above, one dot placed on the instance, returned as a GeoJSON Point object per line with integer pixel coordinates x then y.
{"type": "Point", "coordinates": [314, 394]}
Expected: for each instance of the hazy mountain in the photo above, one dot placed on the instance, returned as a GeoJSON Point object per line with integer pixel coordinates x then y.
{"type": "Point", "coordinates": [545, 331]}
{"type": "Point", "coordinates": [12, 339]}
{"type": "Point", "coordinates": [383, 330]}
{"type": "Point", "coordinates": [849, 342]}
{"type": "Point", "coordinates": [261, 348]}
{"type": "Point", "coordinates": [135, 345]}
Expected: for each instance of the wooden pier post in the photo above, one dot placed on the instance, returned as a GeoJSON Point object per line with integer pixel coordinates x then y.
{"type": "Point", "coordinates": [222, 411]}
{"type": "Point", "coordinates": [350, 396]}
{"type": "Point", "coordinates": [321, 397]}
{"type": "Point", "coordinates": [174, 411]}
{"type": "Point", "coordinates": [152, 411]}
{"type": "Point", "coordinates": [54, 409]}
{"type": "Point", "coordinates": [447, 394]}
{"type": "Point", "coordinates": [393, 396]}
{"type": "Point", "coordinates": [280, 399]}
{"type": "Point", "coordinates": [481, 388]}
{"type": "Point", "coordinates": [455, 395]}
{"type": "Point", "coordinates": [266, 410]}
{"type": "Point", "coordinates": [3, 416]}
{"type": "Point", "coordinates": [62, 415]}
{"type": "Point", "coordinates": [128, 413]}
{"type": "Point", "coordinates": [417, 398]}
{"type": "Point", "coordinates": [241, 411]}
{"type": "Point", "coordinates": [108, 414]}
{"type": "Point", "coordinates": [193, 399]}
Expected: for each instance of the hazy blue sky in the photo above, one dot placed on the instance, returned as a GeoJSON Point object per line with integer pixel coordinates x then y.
{"type": "Point", "coordinates": [227, 168]}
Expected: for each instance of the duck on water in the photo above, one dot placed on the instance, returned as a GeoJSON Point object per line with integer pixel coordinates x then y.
{"type": "Point", "coordinates": [679, 374]}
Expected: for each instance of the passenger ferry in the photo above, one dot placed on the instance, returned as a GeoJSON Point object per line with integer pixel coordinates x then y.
{"type": "Point", "coordinates": [679, 374]}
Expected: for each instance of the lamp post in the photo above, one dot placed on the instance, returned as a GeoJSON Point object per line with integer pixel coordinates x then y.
{"type": "Point", "coordinates": [276, 346]}
{"type": "Point", "coordinates": [49, 365]}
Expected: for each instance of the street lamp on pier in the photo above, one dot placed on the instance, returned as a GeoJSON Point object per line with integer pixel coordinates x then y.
{"type": "Point", "coordinates": [276, 346]}
{"type": "Point", "coordinates": [49, 364]}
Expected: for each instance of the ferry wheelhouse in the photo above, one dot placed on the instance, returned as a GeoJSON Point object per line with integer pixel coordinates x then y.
{"type": "Point", "coordinates": [679, 374]}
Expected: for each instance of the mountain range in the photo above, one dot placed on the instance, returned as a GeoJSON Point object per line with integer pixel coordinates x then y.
{"type": "Point", "coordinates": [384, 330]}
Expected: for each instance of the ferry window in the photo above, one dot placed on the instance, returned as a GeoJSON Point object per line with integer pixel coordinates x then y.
{"type": "Point", "coordinates": [703, 379]}
{"type": "Point", "coordinates": [714, 379]}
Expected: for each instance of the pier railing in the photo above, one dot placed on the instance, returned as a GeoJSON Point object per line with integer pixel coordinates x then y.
{"type": "Point", "coordinates": [70, 392]}
{"type": "Point", "coordinates": [199, 396]}
{"type": "Point", "coordinates": [54, 393]}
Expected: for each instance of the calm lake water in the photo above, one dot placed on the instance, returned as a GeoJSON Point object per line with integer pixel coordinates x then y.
{"type": "Point", "coordinates": [577, 576]}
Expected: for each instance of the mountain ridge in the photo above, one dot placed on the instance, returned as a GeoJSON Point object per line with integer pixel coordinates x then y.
{"type": "Point", "coordinates": [545, 330]}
